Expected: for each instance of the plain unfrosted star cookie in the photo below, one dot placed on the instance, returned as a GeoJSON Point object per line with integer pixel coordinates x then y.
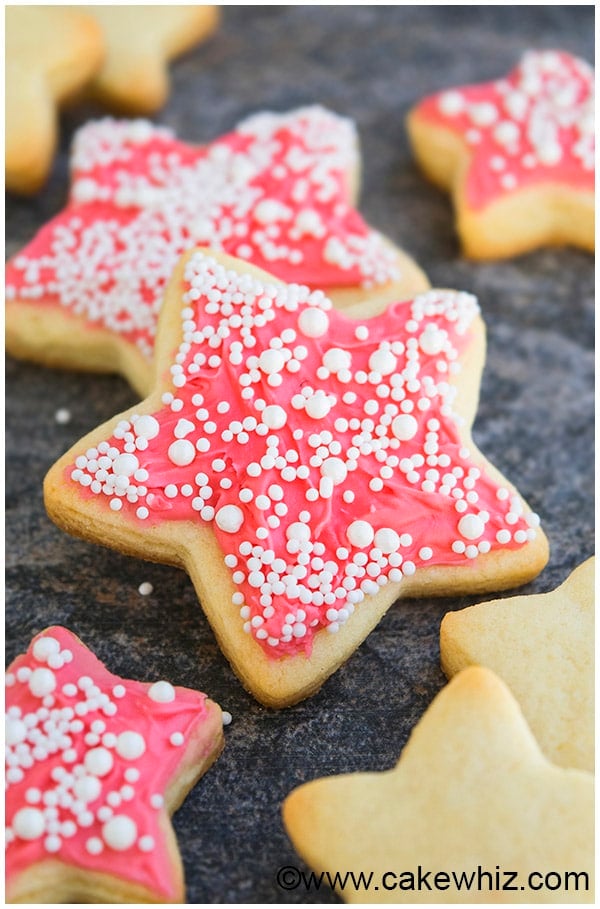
{"type": "Point", "coordinates": [542, 645]}
{"type": "Point", "coordinates": [517, 154]}
{"type": "Point", "coordinates": [95, 764]}
{"type": "Point", "coordinates": [140, 42]}
{"type": "Point", "coordinates": [278, 191]}
{"type": "Point", "coordinates": [291, 458]}
{"type": "Point", "coordinates": [51, 53]}
{"type": "Point", "coordinates": [472, 813]}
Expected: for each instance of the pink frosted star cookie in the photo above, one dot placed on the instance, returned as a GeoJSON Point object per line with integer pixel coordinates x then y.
{"type": "Point", "coordinates": [278, 191]}
{"type": "Point", "coordinates": [95, 764]}
{"type": "Point", "coordinates": [517, 154]}
{"type": "Point", "coordinates": [305, 467]}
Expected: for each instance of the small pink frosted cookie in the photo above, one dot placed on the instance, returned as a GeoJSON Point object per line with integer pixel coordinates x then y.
{"type": "Point", "coordinates": [140, 41]}
{"type": "Point", "coordinates": [278, 192]}
{"type": "Point", "coordinates": [306, 468]}
{"type": "Point", "coordinates": [517, 155]}
{"type": "Point", "coordinates": [95, 764]}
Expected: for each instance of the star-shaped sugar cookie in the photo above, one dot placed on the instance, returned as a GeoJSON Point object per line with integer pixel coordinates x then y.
{"type": "Point", "coordinates": [472, 813]}
{"type": "Point", "coordinates": [140, 42]}
{"type": "Point", "coordinates": [517, 155]}
{"type": "Point", "coordinates": [51, 53]}
{"type": "Point", "coordinates": [95, 764]}
{"type": "Point", "coordinates": [304, 466]}
{"type": "Point", "coordinates": [278, 191]}
{"type": "Point", "coordinates": [542, 646]}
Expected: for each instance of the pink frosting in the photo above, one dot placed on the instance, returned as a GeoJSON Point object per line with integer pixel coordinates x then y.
{"type": "Point", "coordinates": [325, 453]}
{"type": "Point", "coordinates": [534, 126]}
{"type": "Point", "coordinates": [89, 757]}
{"type": "Point", "coordinates": [275, 192]}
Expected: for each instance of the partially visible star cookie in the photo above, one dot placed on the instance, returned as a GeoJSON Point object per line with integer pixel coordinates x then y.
{"type": "Point", "coordinates": [278, 191]}
{"type": "Point", "coordinates": [517, 154]}
{"type": "Point", "coordinates": [95, 764]}
{"type": "Point", "coordinates": [472, 813]}
{"type": "Point", "coordinates": [304, 466]}
{"type": "Point", "coordinates": [51, 53]}
{"type": "Point", "coordinates": [543, 647]}
{"type": "Point", "coordinates": [140, 42]}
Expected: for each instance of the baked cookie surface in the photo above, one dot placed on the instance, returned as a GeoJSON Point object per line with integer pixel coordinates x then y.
{"type": "Point", "coordinates": [140, 41]}
{"type": "Point", "coordinates": [517, 155]}
{"type": "Point", "coordinates": [472, 813]}
{"type": "Point", "coordinates": [95, 764]}
{"type": "Point", "coordinates": [278, 192]}
{"type": "Point", "coordinates": [51, 53]}
{"type": "Point", "coordinates": [542, 646]}
{"type": "Point", "coordinates": [302, 465]}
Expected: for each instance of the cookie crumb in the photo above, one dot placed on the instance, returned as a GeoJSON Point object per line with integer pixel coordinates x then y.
{"type": "Point", "coordinates": [145, 589]}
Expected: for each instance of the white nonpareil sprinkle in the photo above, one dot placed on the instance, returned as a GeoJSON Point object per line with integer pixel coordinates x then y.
{"type": "Point", "coordinates": [62, 416]}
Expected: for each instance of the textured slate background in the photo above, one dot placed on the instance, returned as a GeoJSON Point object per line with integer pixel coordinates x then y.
{"type": "Point", "coordinates": [535, 419]}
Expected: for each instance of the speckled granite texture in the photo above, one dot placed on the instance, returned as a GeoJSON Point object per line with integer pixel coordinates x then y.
{"type": "Point", "coordinates": [535, 419]}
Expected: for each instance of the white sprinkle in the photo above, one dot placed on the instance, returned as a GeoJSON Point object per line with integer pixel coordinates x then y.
{"type": "Point", "coordinates": [471, 526]}
{"type": "Point", "coordinates": [181, 452]}
{"type": "Point", "coordinates": [29, 823]}
{"type": "Point", "coordinates": [125, 465]}
{"type": "Point", "coordinates": [62, 416]}
{"type": "Point", "coordinates": [94, 845]}
{"type": "Point", "coordinates": [313, 323]}
{"type": "Point", "coordinates": [120, 832]}
{"type": "Point", "coordinates": [387, 540]}
{"type": "Point", "coordinates": [146, 426]}
{"type": "Point", "coordinates": [405, 427]}
{"type": "Point", "coordinates": [45, 647]}
{"type": "Point", "coordinates": [360, 534]}
{"type": "Point", "coordinates": [98, 761]}
{"type": "Point", "coordinates": [146, 843]}
{"type": "Point", "coordinates": [130, 745]}
{"type": "Point", "coordinates": [42, 682]}
{"type": "Point", "coordinates": [162, 692]}
{"type": "Point", "coordinates": [229, 518]}
{"type": "Point", "coordinates": [87, 788]}
{"type": "Point", "coordinates": [451, 103]}
{"type": "Point", "coordinates": [274, 416]}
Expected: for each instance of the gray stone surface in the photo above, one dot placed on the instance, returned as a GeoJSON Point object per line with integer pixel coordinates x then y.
{"type": "Point", "coordinates": [535, 419]}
